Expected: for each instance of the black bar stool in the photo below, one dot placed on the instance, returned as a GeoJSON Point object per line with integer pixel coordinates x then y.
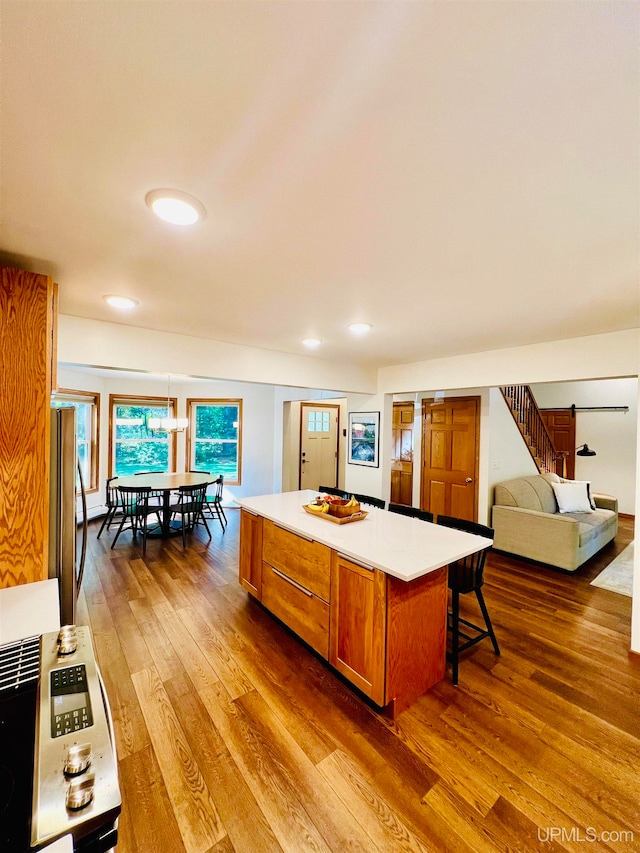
{"type": "Point", "coordinates": [467, 575]}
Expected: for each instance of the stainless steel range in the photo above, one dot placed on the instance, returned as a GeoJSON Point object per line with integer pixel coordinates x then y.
{"type": "Point", "coordinates": [58, 765]}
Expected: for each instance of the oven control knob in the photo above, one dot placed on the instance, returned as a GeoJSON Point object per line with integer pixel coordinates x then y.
{"type": "Point", "coordinates": [80, 792]}
{"type": "Point", "coordinates": [67, 640]}
{"type": "Point", "coordinates": [78, 759]}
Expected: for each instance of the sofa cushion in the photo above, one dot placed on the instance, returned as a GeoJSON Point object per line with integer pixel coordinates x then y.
{"type": "Point", "coordinates": [534, 492]}
{"type": "Point", "coordinates": [591, 525]}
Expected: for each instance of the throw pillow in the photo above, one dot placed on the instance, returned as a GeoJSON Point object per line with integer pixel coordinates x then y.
{"type": "Point", "coordinates": [589, 495]}
{"type": "Point", "coordinates": [572, 497]}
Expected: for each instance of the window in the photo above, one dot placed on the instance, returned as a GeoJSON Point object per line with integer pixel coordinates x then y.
{"type": "Point", "coordinates": [87, 406]}
{"type": "Point", "coordinates": [318, 422]}
{"type": "Point", "coordinates": [134, 446]}
{"type": "Point", "coordinates": [215, 438]}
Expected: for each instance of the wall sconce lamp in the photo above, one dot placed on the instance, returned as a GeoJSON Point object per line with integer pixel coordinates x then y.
{"type": "Point", "coordinates": [584, 451]}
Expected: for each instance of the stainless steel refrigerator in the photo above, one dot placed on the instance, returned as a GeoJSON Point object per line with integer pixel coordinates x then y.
{"type": "Point", "coordinates": [67, 512]}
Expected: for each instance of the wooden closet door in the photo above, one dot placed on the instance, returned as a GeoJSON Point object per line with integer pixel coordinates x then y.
{"type": "Point", "coordinates": [450, 436]}
{"type": "Point", "coordinates": [402, 454]}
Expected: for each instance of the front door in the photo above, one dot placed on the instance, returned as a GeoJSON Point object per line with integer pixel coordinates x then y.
{"type": "Point", "coordinates": [402, 454]}
{"type": "Point", "coordinates": [450, 436]}
{"type": "Point", "coordinates": [318, 446]}
{"type": "Point", "coordinates": [561, 426]}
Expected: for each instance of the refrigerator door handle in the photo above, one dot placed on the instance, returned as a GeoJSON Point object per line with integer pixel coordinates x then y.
{"type": "Point", "coordinates": [85, 530]}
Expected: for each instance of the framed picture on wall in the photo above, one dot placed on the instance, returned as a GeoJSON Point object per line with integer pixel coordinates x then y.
{"type": "Point", "coordinates": [364, 438]}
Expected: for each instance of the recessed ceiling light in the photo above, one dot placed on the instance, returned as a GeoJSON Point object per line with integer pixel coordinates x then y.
{"type": "Point", "coordinates": [122, 303]}
{"type": "Point", "coordinates": [360, 328]}
{"type": "Point", "coordinates": [312, 342]}
{"type": "Point", "coordinates": [175, 207]}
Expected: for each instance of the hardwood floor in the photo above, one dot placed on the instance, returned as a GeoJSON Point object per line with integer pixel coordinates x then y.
{"type": "Point", "coordinates": [233, 736]}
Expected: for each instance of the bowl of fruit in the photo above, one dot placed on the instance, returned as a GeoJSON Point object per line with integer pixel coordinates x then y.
{"type": "Point", "coordinates": [340, 507]}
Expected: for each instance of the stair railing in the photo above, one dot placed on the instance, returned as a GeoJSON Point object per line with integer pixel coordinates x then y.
{"type": "Point", "coordinates": [526, 414]}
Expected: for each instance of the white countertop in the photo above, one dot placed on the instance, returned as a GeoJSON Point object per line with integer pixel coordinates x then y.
{"type": "Point", "coordinates": [28, 609]}
{"type": "Point", "coordinates": [406, 548]}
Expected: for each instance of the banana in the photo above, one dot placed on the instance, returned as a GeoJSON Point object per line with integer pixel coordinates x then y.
{"type": "Point", "coordinates": [324, 507]}
{"type": "Point", "coordinates": [353, 501]}
{"type": "Point", "coordinates": [316, 507]}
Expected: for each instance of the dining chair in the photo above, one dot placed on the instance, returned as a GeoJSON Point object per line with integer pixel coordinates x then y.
{"type": "Point", "coordinates": [411, 511]}
{"type": "Point", "coordinates": [157, 496]}
{"type": "Point", "coordinates": [367, 499]}
{"type": "Point", "coordinates": [135, 510]}
{"type": "Point", "coordinates": [214, 502]}
{"type": "Point", "coordinates": [332, 490]}
{"type": "Point", "coordinates": [113, 504]}
{"type": "Point", "coordinates": [467, 575]}
{"type": "Point", "coordinates": [190, 509]}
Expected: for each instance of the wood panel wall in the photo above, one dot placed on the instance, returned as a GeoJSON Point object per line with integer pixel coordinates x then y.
{"type": "Point", "coordinates": [26, 348]}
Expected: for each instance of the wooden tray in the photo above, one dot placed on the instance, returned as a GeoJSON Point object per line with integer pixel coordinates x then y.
{"type": "Point", "coordinates": [356, 516]}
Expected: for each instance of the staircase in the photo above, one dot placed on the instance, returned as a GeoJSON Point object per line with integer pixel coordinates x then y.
{"type": "Point", "coordinates": [526, 414]}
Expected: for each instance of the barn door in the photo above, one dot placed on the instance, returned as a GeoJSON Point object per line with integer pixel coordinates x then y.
{"type": "Point", "coordinates": [561, 426]}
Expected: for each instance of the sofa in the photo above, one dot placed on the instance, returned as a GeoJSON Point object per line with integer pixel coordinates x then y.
{"type": "Point", "coordinates": [528, 520]}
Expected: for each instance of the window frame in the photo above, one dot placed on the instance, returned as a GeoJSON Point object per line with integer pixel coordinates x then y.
{"type": "Point", "coordinates": [91, 398]}
{"type": "Point", "coordinates": [141, 400]}
{"type": "Point", "coordinates": [191, 441]}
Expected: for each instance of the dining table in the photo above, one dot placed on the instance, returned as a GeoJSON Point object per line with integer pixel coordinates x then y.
{"type": "Point", "coordinates": [165, 484]}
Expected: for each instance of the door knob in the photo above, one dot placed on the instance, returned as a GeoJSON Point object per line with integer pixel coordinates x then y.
{"type": "Point", "coordinates": [469, 480]}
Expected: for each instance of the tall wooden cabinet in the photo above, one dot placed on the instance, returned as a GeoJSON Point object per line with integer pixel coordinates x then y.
{"type": "Point", "coordinates": [27, 376]}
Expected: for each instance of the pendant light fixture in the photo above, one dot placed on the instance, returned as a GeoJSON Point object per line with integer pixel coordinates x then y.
{"type": "Point", "coordinates": [169, 423]}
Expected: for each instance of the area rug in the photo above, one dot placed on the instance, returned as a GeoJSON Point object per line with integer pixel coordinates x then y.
{"type": "Point", "coordinates": [618, 576]}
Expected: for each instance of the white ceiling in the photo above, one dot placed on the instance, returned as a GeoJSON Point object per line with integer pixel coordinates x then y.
{"type": "Point", "coordinates": [464, 176]}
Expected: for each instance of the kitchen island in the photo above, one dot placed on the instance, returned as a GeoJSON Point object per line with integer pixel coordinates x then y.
{"type": "Point", "coordinates": [369, 596]}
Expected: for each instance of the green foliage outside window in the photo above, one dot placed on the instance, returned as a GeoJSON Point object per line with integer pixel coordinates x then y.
{"type": "Point", "coordinates": [137, 447]}
{"type": "Point", "coordinates": [216, 440]}
{"type": "Point", "coordinates": [83, 434]}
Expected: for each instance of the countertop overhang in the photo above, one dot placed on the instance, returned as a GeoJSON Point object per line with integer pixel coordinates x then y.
{"type": "Point", "coordinates": [405, 548]}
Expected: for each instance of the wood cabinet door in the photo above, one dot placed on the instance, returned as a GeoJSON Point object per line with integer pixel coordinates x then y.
{"type": "Point", "coordinates": [358, 625]}
{"type": "Point", "coordinates": [27, 332]}
{"type": "Point", "coordinates": [251, 552]}
{"type": "Point", "coordinates": [303, 560]}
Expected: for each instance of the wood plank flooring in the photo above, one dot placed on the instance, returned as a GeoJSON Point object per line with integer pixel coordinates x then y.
{"type": "Point", "coordinates": [233, 737]}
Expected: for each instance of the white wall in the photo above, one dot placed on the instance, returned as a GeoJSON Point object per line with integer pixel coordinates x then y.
{"type": "Point", "coordinates": [509, 456]}
{"type": "Point", "coordinates": [611, 434]}
{"type": "Point", "coordinates": [594, 357]}
{"type": "Point", "coordinates": [99, 344]}
{"type": "Point", "coordinates": [363, 479]}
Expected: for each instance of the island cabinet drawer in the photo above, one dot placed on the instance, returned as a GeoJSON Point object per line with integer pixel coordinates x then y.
{"type": "Point", "coordinates": [301, 610]}
{"type": "Point", "coordinates": [305, 562]}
